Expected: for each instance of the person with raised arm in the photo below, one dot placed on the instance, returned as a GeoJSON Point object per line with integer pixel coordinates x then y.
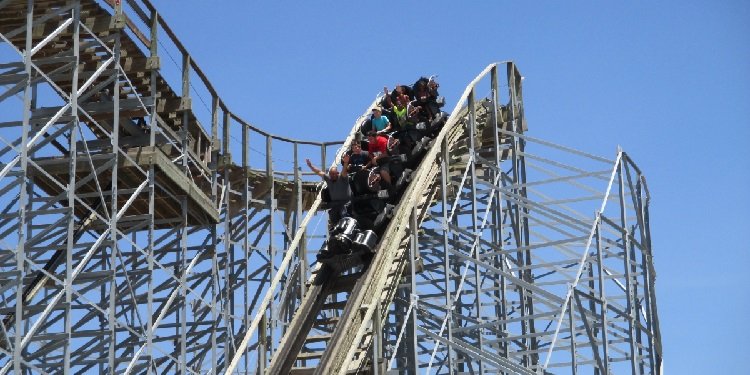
{"type": "Point", "coordinates": [338, 190]}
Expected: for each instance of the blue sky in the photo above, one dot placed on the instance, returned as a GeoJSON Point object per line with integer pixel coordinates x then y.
{"type": "Point", "coordinates": [669, 82]}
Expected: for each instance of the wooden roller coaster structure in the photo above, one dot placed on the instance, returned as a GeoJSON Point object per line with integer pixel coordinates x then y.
{"type": "Point", "coordinates": [141, 234]}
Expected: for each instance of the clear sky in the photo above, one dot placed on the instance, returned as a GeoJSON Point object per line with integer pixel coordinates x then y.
{"type": "Point", "coordinates": [669, 82]}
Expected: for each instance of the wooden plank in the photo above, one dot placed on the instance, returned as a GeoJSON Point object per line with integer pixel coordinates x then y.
{"type": "Point", "coordinates": [142, 157]}
{"type": "Point", "coordinates": [304, 317]}
{"type": "Point", "coordinates": [302, 371]}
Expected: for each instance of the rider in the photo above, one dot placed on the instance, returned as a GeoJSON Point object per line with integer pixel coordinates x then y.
{"type": "Point", "coordinates": [338, 189]}
{"type": "Point", "coordinates": [378, 147]}
{"type": "Point", "coordinates": [380, 123]}
{"type": "Point", "coordinates": [358, 158]}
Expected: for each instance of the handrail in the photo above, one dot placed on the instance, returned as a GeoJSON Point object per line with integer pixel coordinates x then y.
{"type": "Point", "coordinates": [280, 138]}
{"type": "Point", "coordinates": [194, 65]}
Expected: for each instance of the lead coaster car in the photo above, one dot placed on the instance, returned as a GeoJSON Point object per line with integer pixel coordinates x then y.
{"type": "Point", "coordinates": [348, 245]}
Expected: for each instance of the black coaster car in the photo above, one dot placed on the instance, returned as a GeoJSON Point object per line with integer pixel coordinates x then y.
{"type": "Point", "coordinates": [348, 245]}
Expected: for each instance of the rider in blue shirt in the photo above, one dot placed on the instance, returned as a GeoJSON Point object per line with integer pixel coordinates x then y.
{"type": "Point", "coordinates": [379, 122]}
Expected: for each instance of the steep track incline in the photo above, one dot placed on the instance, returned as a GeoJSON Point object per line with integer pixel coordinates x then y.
{"type": "Point", "coordinates": [376, 289]}
{"type": "Point", "coordinates": [373, 290]}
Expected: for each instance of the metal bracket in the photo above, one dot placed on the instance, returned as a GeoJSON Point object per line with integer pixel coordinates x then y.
{"type": "Point", "coordinates": [117, 22]}
{"type": "Point", "coordinates": [185, 104]}
{"type": "Point", "coordinates": [153, 62]}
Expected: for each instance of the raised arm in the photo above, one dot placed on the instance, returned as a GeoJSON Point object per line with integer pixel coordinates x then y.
{"type": "Point", "coordinates": [345, 163]}
{"type": "Point", "coordinates": [315, 170]}
{"type": "Point", "coordinates": [387, 96]}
